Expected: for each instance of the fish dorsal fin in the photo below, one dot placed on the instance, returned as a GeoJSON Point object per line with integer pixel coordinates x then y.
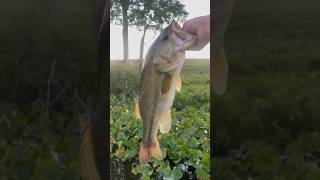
{"type": "Point", "coordinates": [220, 72]}
{"type": "Point", "coordinates": [165, 124]}
{"type": "Point", "coordinates": [178, 84]}
{"type": "Point", "coordinates": [136, 112]}
{"type": "Point", "coordinates": [166, 83]}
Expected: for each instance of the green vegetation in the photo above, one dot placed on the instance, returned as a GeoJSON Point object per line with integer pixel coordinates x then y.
{"type": "Point", "coordinates": [267, 124]}
{"type": "Point", "coordinates": [31, 149]}
{"type": "Point", "coordinates": [186, 145]}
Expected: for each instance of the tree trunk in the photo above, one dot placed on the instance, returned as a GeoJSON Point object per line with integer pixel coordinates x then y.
{"type": "Point", "coordinates": [125, 6]}
{"type": "Point", "coordinates": [142, 46]}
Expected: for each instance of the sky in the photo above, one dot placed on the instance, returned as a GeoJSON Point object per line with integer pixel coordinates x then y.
{"type": "Point", "coordinates": [195, 8]}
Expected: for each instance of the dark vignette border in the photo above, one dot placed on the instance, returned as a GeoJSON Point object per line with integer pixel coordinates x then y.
{"type": "Point", "coordinates": [100, 117]}
{"type": "Point", "coordinates": [220, 12]}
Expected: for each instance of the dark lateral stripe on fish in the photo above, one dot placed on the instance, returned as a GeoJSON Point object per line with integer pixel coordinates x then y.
{"type": "Point", "coordinates": [149, 134]}
{"type": "Point", "coordinates": [156, 98]}
{"type": "Point", "coordinates": [150, 123]}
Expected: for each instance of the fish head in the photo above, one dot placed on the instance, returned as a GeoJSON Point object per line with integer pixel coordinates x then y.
{"type": "Point", "coordinates": [169, 48]}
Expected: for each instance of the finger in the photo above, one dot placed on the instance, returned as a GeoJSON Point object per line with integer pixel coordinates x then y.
{"type": "Point", "coordinates": [190, 28]}
{"type": "Point", "coordinates": [198, 45]}
{"type": "Point", "coordinates": [185, 25]}
{"type": "Point", "coordinates": [195, 47]}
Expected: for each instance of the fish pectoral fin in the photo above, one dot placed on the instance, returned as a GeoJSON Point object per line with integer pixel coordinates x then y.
{"type": "Point", "coordinates": [178, 84]}
{"type": "Point", "coordinates": [165, 124]}
{"type": "Point", "coordinates": [220, 72]}
{"type": "Point", "coordinates": [166, 83]}
{"type": "Point", "coordinates": [146, 151]}
{"type": "Point", "coordinates": [136, 112]}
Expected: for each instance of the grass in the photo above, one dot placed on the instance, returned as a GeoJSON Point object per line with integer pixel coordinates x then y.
{"type": "Point", "coordinates": [186, 146]}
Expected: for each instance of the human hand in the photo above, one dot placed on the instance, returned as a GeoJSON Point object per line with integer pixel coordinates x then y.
{"type": "Point", "coordinates": [200, 27]}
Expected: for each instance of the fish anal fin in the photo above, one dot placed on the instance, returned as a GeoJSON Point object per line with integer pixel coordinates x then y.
{"type": "Point", "coordinates": [136, 112]}
{"type": "Point", "coordinates": [166, 84]}
{"type": "Point", "coordinates": [178, 84]}
{"type": "Point", "coordinates": [165, 124]}
{"type": "Point", "coordinates": [220, 72]}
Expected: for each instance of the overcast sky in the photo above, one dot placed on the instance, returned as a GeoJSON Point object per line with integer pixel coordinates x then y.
{"type": "Point", "coordinates": [193, 7]}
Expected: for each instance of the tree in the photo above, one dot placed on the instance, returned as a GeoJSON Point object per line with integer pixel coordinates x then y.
{"type": "Point", "coordinates": [117, 7]}
{"type": "Point", "coordinates": [144, 15]}
{"type": "Point", "coordinates": [153, 14]}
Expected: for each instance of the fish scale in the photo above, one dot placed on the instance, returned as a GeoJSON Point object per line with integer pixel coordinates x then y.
{"type": "Point", "coordinates": [160, 78]}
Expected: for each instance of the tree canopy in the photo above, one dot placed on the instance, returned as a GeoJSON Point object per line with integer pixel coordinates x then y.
{"type": "Point", "coordinates": [144, 15]}
{"type": "Point", "coordinates": [155, 13]}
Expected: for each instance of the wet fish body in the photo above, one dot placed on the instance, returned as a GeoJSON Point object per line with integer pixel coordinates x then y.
{"type": "Point", "coordinates": [160, 79]}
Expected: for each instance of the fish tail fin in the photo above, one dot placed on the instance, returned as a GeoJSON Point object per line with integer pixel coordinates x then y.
{"type": "Point", "coordinates": [146, 151]}
{"type": "Point", "coordinates": [143, 154]}
{"type": "Point", "coordinates": [156, 151]}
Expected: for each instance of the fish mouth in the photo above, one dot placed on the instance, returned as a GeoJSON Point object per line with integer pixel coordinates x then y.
{"type": "Point", "coordinates": [186, 39]}
{"type": "Point", "coordinates": [175, 25]}
{"type": "Point", "coordinates": [177, 29]}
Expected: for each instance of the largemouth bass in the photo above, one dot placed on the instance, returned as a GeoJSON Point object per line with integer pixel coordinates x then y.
{"type": "Point", "coordinates": [160, 78]}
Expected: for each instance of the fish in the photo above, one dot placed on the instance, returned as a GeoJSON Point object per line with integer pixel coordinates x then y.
{"type": "Point", "coordinates": [159, 81]}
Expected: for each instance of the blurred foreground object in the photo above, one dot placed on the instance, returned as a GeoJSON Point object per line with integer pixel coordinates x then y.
{"type": "Point", "coordinates": [94, 144]}
{"type": "Point", "coordinates": [222, 11]}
